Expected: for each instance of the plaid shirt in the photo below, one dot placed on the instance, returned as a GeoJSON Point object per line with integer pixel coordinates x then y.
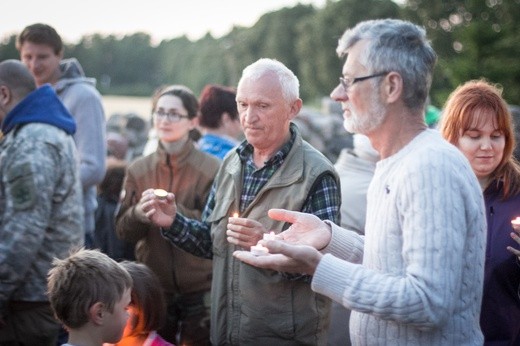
{"type": "Point", "coordinates": [194, 236]}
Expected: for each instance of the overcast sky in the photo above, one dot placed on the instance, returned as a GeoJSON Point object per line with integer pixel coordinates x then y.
{"type": "Point", "coordinates": [162, 19]}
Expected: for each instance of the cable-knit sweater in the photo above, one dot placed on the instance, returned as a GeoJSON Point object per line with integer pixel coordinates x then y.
{"type": "Point", "coordinates": [416, 277]}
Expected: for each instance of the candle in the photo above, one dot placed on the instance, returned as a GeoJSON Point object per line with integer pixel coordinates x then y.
{"type": "Point", "coordinates": [160, 193]}
{"type": "Point", "coordinates": [516, 223]}
{"type": "Point", "coordinates": [259, 250]}
{"type": "Point", "coordinates": [269, 236]}
{"type": "Point", "coordinates": [235, 214]}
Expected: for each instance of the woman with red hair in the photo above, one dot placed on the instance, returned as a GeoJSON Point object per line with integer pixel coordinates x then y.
{"type": "Point", "coordinates": [477, 120]}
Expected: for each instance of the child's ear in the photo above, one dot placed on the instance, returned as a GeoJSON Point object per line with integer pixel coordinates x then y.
{"type": "Point", "coordinates": [97, 312]}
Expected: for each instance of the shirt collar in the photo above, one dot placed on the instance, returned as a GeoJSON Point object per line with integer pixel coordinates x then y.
{"type": "Point", "coordinates": [245, 150]}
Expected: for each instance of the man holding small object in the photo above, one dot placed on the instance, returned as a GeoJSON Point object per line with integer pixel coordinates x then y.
{"type": "Point", "coordinates": [273, 166]}
{"type": "Point", "coordinates": [416, 277]}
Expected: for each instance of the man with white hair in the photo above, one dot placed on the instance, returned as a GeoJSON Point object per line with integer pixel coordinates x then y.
{"type": "Point", "coordinates": [274, 166]}
{"type": "Point", "coordinates": [416, 277]}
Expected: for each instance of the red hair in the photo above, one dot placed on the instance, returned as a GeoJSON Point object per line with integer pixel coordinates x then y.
{"type": "Point", "coordinates": [464, 109]}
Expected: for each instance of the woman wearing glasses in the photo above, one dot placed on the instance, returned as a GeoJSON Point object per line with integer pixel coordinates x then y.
{"type": "Point", "coordinates": [176, 166]}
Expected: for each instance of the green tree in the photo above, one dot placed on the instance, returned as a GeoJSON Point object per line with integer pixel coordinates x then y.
{"type": "Point", "coordinates": [273, 36]}
{"type": "Point", "coordinates": [175, 61]}
{"type": "Point", "coordinates": [121, 66]}
{"type": "Point", "coordinates": [318, 37]}
{"type": "Point", "coordinates": [474, 39]}
{"type": "Point", "coordinates": [8, 48]}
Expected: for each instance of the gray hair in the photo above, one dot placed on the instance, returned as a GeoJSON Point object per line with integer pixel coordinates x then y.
{"type": "Point", "coordinates": [396, 45]}
{"type": "Point", "coordinates": [16, 77]}
{"type": "Point", "coordinates": [288, 81]}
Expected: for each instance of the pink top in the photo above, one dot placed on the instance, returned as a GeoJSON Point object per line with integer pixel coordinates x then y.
{"type": "Point", "coordinates": [155, 339]}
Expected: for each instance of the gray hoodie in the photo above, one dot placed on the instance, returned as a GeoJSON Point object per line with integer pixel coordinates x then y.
{"type": "Point", "coordinates": [79, 94]}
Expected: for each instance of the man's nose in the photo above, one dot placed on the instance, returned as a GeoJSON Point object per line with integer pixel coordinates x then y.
{"type": "Point", "coordinates": [339, 93]}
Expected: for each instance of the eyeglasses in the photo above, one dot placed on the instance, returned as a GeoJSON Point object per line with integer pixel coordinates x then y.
{"type": "Point", "coordinates": [170, 116]}
{"type": "Point", "coordinates": [346, 82]}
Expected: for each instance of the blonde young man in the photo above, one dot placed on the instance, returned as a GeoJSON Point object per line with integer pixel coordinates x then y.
{"type": "Point", "coordinates": [41, 50]}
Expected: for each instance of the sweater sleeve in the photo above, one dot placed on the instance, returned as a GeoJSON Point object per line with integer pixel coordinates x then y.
{"type": "Point", "coordinates": [416, 245]}
{"type": "Point", "coordinates": [345, 244]}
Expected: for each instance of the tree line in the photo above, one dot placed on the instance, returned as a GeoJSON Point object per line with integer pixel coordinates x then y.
{"type": "Point", "coordinates": [473, 39]}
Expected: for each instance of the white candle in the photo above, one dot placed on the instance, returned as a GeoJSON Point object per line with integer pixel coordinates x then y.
{"type": "Point", "coordinates": [160, 193]}
{"type": "Point", "coordinates": [516, 223]}
{"type": "Point", "coordinates": [259, 250]}
{"type": "Point", "coordinates": [269, 236]}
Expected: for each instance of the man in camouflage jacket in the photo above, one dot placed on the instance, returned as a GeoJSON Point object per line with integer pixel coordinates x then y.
{"type": "Point", "coordinates": [41, 215]}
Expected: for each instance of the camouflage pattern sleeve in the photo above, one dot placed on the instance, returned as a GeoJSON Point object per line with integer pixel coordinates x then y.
{"type": "Point", "coordinates": [40, 210]}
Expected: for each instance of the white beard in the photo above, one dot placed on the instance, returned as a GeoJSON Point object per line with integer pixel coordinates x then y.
{"type": "Point", "coordinates": [366, 123]}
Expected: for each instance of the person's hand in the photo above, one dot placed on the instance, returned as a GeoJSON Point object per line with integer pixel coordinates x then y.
{"type": "Point", "coordinates": [284, 257]}
{"type": "Point", "coordinates": [160, 211]}
{"type": "Point", "coordinates": [516, 238]}
{"type": "Point", "coordinates": [244, 232]}
{"type": "Point", "coordinates": [306, 229]}
{"type": "Point", "coordinates": [139, 212]}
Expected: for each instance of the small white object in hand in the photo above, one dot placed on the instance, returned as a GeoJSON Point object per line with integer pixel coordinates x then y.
{"type": "Point", "coordinates": [516, 223]}
{"type": "Point", "coordinates": [160, 193]}
{"type": "Point", "coordinates": [259, 250]}
{"type": "Point", "coordinates": [269, 236]}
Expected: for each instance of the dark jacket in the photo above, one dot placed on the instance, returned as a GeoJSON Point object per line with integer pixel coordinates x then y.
{"type": "Point", "coordinates": [500, 315]}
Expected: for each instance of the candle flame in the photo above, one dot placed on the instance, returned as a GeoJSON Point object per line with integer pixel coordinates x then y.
{"type": "Point", "coordinates": [235, 214]}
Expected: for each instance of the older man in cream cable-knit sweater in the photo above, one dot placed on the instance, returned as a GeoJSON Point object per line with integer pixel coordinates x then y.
{"type": "Point", "coordinates": [416, 276]}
